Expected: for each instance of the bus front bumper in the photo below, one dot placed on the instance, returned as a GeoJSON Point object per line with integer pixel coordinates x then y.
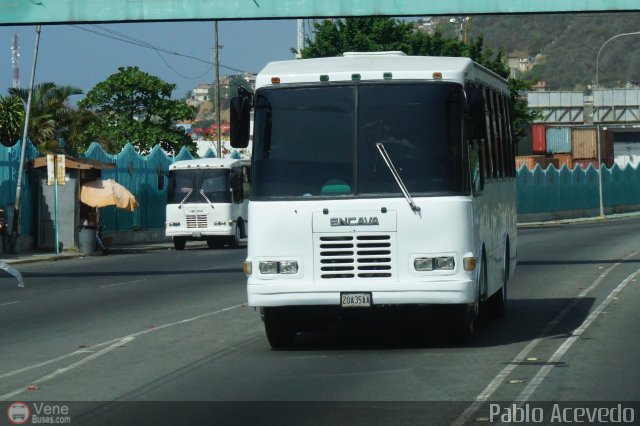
{"type": "Point", "coordinates": [421, 293]}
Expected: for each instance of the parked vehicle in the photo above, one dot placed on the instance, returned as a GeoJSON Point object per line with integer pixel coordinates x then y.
{"type": "Point", "coordinates": [207, 201]}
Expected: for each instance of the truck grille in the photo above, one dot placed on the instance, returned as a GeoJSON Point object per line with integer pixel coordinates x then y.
{"type": "Point", "coordinates": [355, 256]}
{"type": "Point", "coordinates": [196, 221]}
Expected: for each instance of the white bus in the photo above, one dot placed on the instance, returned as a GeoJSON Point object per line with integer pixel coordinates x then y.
{"type": "Point", "coordinates": [208, 201]}
{"type": "Point", "coordinates": [379, 180]}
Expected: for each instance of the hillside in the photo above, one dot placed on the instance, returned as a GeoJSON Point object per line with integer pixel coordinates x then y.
{"type": "Point", "coordinates": [570, 44]}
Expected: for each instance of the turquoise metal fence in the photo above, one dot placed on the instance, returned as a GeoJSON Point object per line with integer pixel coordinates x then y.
{"type": "Point", "coordinates": [542, 194]}
{"type": "Point", "coordinates": [9, 167]}
{"type": "Point", "coordinates": [574, 193]}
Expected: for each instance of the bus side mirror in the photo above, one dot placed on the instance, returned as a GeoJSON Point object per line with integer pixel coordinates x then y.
{"type": "Point", "coordinates": [240, 118]}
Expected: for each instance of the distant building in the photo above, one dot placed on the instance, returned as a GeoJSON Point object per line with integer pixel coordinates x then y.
{"type": "Point", "coordinates": [200, 94]}
{"type": "Point", "coordinates": [429, 24]}
{"type": "Point", "coordinates": [520, 62]}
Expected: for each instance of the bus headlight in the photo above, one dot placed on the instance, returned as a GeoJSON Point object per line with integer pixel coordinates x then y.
{"type": "Point", "coordinates": [423, 264]}
{"type": "Point", "coordinates": [288, 267]}
{"type": "Point", "coordinates": [268, 267]}
{"type": "Point", "coordinates": [278, 267]}
{"type": "Point", "coordinates": [447, 263]}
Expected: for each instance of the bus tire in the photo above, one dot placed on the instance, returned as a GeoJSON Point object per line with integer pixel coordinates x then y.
{"type": "Point", "coordinates": [179, 243]}
{"type": "Point", "coordinates": [464, 317]}
{"type": "Point", "coordinates": [277, 324]}
{"type": "Point", "coordinates": [213, 243]}
{"type": "Point", "coordinates": [498, 301]}
{"type": "Point", "coordinates": [237, 235]}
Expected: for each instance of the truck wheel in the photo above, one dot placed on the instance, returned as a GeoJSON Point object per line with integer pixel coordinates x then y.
{"type": "Point", "coordinates": [179, 243]}
{"type": "Point", "coordinates": [278, 325]}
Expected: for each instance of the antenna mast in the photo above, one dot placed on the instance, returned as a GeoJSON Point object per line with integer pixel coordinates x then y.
{"type": "Point", "coordinates": [15, 55]}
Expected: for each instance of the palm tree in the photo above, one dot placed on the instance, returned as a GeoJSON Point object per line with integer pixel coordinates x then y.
{"type": "Point", "coordinates": [50, 112]}
{"type": "Point", "coordinates": [11, 120]}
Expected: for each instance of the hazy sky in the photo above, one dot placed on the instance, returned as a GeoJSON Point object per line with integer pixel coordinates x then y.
{"type": "Point", "coordinates": [76, 55]}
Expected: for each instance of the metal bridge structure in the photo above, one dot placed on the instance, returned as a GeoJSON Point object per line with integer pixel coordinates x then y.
{"type": "Point", "coordinates": [603, 106]}
{"type": "Point", "coordinates": [29, 12]}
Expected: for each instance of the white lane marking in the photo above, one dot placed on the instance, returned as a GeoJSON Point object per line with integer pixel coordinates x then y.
{"type": "Point", "coordinates": [9, 303]}
{"type": "Point", "coordinates": [112, 343]}
{"type": "Point", "coordinates": [577, 333]}
{"type": "Point", "coordinates": [63, 370]}
{"type": "Point", "coordinates": [493, 386]}
{"type": "Point", "coordinates": [119, 284]}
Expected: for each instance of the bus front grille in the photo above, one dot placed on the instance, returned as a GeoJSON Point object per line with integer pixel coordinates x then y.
{"type": "Point", "coordinates": [355, 256]}
{"type": "Point", "coordinates": [196, 221]}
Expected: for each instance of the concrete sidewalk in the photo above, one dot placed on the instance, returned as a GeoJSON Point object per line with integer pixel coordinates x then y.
{"type": "Point", "coordinates": [40, 256]}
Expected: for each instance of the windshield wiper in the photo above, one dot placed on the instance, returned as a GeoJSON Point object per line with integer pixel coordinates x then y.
{"type": "Point", "coordinates": [205, 197]}
{"type": "Point", "coordinates": [185, 198]}
{"type": "Point", "coordinates": [396, 176]}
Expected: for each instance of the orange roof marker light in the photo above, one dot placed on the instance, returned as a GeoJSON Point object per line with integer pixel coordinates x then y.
{"type": "Point", "coordinates": [275, 80]}
{"type": "Point", "coordinates": [437, 75]}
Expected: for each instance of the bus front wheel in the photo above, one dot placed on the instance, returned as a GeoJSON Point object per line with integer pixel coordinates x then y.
{"type": "Point", "coordinates": [179, 243]}
{"type": "Point", "coordinates": [277, 324]}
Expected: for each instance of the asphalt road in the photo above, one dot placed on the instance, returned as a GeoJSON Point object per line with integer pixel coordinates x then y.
{"type": "Point", "coordinates": [170, 331]}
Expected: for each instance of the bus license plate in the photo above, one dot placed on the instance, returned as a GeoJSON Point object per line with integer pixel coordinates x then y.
{"type": "Point", "coordinates": [355, 300]}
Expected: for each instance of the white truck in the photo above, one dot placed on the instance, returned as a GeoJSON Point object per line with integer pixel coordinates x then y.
{"type": "Point", "coordinates": [208, 201]}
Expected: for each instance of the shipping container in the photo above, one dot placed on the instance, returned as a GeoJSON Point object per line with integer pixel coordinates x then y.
{"type": "Point", "coordinates": [530, 161]}
{"type": "Point", "coordinates": [539, 137]}
{"type": "Point", "coordinates": [565, 159]}
{"type": "Point", "coordinates": [584, 163]}
{"type": "Point", "coordinates": [558, 140]}
{"type": "Point", "coordinates": [584, 143]}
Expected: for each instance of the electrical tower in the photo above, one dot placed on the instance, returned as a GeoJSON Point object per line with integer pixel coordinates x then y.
{"type": "Point", "coordinates": [15, 66]}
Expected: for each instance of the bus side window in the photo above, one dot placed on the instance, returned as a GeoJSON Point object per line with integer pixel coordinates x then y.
{"type": "Point", "coordinates": [476, 139]}
{"type": "Point", "coordinates": [237, 185]}
{"type": "Point", "coordinates": [246, 181]}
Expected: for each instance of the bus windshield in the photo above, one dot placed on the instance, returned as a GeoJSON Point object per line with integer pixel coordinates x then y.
{"type": "Point", "coordinates": [321, 141]}
{"type": "Point", "coordinates": [187, 186]}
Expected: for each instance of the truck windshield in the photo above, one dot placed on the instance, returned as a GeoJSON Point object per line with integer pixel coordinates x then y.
{"type": "Point", "coordinates": [214, 184]}
{"type": "Point", "coordinates": [321, 141]}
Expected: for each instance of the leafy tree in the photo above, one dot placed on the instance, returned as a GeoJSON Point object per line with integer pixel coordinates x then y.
{"type": "Point", "coordinates": [50, 113]}
{"type": "Point", "coordinates": [334, 37]}
{"type": "Point", "coordinates": [135, 107]}
{"type": "Point", "coordinates": [11, 120]}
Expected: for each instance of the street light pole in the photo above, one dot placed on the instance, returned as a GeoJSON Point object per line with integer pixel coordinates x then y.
{"type": "Point", "coordinates": [15, 226]}
{"type": "Point", "coordinates": [597, 86]}
{"type": "Point", "coordinates": [602, 47]}
{"type": "Point", "coordinates": [219, 148]}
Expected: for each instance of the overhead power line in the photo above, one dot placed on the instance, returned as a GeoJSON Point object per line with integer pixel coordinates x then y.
{"type": "Point", "coordinates": [109, 33]}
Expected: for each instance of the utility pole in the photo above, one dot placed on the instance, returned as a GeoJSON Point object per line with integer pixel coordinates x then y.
{"type": "Point", "coordinates": [15, 226]}
{"type": "Point", "coordinates": [300, 28]}
{"type": "Point", "coordinates": [217, 65]}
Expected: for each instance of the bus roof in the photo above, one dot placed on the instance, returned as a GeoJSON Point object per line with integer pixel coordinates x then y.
{"type": "Point", "coordinates": [206, 163]}
{"type": "Point", "coordinates": [371, 66]}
